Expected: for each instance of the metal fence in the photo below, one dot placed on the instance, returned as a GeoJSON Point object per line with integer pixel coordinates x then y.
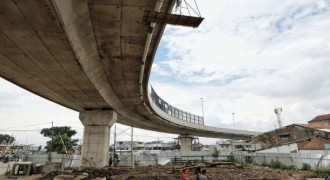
{"type": "Point", "coordinates": [69, 161]}
{"type": "Point", "coordinates": [175, 112]}
{"type": "Point", "coordinates": [289, 159]}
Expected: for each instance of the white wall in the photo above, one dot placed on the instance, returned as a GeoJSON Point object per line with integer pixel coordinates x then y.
{"type": "Point", "coordinates": [281, 149]}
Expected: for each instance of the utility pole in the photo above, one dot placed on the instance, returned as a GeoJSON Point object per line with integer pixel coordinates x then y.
{"type": "Point", "coordinates": [114, 146]}
{"type": "Point", "coordinates": [132, 153]}
{"type": "Point", "coordinates": [233, 119]}
{"type": "Point", "coordinates": [51, 145]}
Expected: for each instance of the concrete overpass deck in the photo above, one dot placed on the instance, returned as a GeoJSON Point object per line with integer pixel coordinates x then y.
{"type": "Point", "coordinates": [87, 55]}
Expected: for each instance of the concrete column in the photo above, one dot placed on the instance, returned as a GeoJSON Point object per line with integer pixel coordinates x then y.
{"type": "Point", "coordinates": [95, 148]}
{"type": "Point", "coordinates": [185, 142]}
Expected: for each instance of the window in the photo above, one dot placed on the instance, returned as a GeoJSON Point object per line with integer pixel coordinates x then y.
{"type": "Point", "coordinates": [285, 136]}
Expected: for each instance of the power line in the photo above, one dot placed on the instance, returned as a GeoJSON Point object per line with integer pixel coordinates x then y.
{"type": "Point", "coordinates": [28, 125]}
{"type": "Point", "coordinates": [68, 125]}
{"type": "Point", "coordinates": [19, 130]}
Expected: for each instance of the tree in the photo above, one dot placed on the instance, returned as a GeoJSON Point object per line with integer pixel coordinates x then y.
{"type": "Point", "coordinates": [6, 137]}
{"type": "Point", "coordinates": [65, 132]}
{"type": "Point", "coordinates": [215, 153]}
{"type": "Point", "coordinates": [176, 147]}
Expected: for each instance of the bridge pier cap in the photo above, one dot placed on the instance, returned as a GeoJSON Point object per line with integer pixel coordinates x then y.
{"type": "Point", "coordinates": [95, 147]}
{"type": "Point", "coordinates": [185, 142]}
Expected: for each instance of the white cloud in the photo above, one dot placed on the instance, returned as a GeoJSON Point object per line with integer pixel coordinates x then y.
{"type": "Point", "coordinates": [249, 56]}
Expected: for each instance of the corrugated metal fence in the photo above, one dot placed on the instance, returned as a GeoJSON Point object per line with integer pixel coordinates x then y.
{"type": "Point", "coordinates": [69, 161]}
{"type": "Point", "coordinates": [288, 159]}
{"type": "Point", "coordinates": [294, 159]}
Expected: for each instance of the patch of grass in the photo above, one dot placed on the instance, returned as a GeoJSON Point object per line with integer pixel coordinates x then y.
{"type": "Point", "coordinates": [279, 165]}
{"type": "Point", "coordinates": [321, 172]}
{"type": "Point", "coordinates": [244, 164]}
{"type": "Point", "coordinates": [215, 153]}
{"type": "Point", "coordinates": [264, 164]}
{"type": "Point", "coordinates": [231, 159]}
{"type": "Point", "coordinates": [306, 167]}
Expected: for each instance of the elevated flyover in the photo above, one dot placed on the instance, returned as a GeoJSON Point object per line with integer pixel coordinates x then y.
{"type": "Point", "coordinates": [95, 57]}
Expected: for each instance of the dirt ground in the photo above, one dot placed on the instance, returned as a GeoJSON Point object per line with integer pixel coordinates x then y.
{"type": "Point", "coordinates": [164, 173]}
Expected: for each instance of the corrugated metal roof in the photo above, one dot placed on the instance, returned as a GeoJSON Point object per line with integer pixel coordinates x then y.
{"type": "Point", "coordinates": [317, 126]}
{"type": "Point", "coordinates": [322, 117]}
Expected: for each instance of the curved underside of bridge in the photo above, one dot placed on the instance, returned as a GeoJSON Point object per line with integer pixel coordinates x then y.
{"type": "Point", "coordinates": [86, 55]}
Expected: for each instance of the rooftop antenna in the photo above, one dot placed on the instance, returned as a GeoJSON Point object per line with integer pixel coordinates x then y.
{"type": "Point", "coordinates": [278, 112]}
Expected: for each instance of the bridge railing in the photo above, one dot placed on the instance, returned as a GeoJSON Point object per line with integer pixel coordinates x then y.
{"type": "Point", "coordinates": [175, 112]}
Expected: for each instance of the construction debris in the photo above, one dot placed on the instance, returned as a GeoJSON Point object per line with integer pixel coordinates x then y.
{"type": "Point", "coordinates": [220, 171]}
{"type": "Point", "coordinates": [215, 164]}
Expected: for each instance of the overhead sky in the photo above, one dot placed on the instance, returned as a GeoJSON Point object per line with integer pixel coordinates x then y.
{"type": "Point", "coordinates": [247, 57]}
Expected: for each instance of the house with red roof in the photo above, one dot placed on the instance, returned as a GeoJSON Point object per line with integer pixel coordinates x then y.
{"type": "Point", "coordinates": [320, 120]}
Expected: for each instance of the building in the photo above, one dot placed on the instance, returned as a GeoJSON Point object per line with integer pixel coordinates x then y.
{"type": "Point", "coordinates": [319, 127]}
{"type": "Point", "coordinates": [320, 120]}
{"type": "Point", "coordinates": [233, 145]}
{"type": "Point", "coordinates": [126, 145]}
{"type": "Point", "coordinates": [208, 147]}
{"type": "Point", "coordinates": [159, 145]}
{"type": "Point", "coordinates": [292, 139]}
{"type": "Point", "coordinates": [143, 146]}
{"type": "Point", "coordinates": [197, 146]}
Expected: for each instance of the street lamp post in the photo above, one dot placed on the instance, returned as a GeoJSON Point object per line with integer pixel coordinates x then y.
{"type": "Point", "coordinates": [233, 119]}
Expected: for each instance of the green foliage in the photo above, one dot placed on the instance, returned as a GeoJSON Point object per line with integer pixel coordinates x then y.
{"type": "Point", "coordinates": [6, 137]}
{"type": "Point", "coordinates": [306, 167]}
{"type": "Point", "coordinates": [176, 146]}
{"type": "Point", "coordinates": [275, 164]}
{"type": "Point", "coordinates": [215, 153]}
{"type": "Point", "coordinates": [321, 172]}
{"type": "Point", "coordinates": [57, 145]}
{"type": "Point", "coordinates": [243, 163]}
{"type": "Point", "coordinates": [264, 164]}
{"type": "Point", "coordinates": [279, 165]}
{"type": "Point", "coordinates": [231, 158]}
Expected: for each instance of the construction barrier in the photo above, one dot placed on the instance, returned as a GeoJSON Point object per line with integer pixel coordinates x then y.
{"type": "Point", "coordinates": [164, 157]}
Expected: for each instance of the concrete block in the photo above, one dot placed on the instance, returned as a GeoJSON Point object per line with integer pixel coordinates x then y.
{"type": "Point", "coordinates": [21, 169]}
{"type": "Point", "coordinates": [33, 177]}
{"type": "Point", "coordinates": [52, 166]}
{"type": "Point", "coordinates": [64, 177]}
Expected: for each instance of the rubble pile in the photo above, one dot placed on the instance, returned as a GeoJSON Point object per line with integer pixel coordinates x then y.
{"type": "Point", "coordinates": [254, 172]}
{"type": "Point", "coordinates": [89, 173]}
{"type": "Point", "coordinates": [220, 171]}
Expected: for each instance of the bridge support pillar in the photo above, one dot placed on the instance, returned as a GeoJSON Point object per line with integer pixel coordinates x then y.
{"type": "Point", "coordinates": [185, 142]}
{"type": "Point", "coordinates": [95, 148]}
